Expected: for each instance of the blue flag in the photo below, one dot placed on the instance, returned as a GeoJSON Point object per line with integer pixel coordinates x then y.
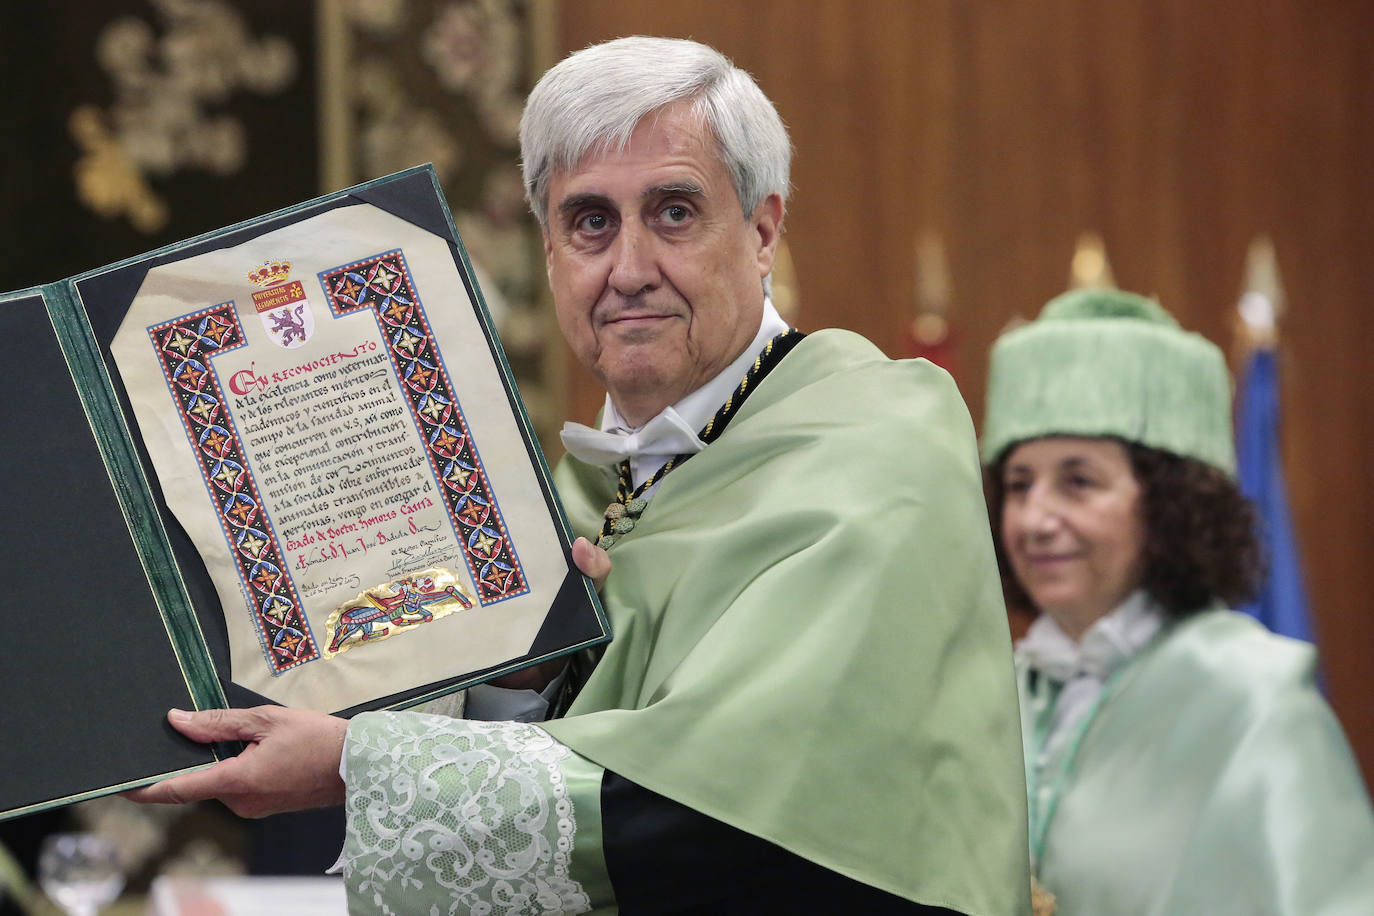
{"type": "Point", "coordinates": [1282, 602]}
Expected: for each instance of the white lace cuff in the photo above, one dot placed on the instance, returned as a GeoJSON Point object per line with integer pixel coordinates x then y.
{"type": "Point", "coordinates": [455, 816]}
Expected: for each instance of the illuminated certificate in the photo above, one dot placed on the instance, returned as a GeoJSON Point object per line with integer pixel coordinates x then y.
{"type": "Point", "coordinates": [282, 461]}
{"type": "Point", "coordinates": [330, 422]}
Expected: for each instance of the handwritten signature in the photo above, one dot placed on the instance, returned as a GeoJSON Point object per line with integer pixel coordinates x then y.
{"type": "Point", "coordinates": [433, 550]}
{"type": "Point", "coordinates": [412, 560]}
{"type": "Point", "coordinates": [311, 589]}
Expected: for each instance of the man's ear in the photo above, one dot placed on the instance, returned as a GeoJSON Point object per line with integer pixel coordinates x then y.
{"type": "Point", "coordinates": [548, 251]}
{"type": "Point", "coordinates": [767, 224]}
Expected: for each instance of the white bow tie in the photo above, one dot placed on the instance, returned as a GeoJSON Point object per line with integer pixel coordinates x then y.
{"type": "Point", "coordinates": [665, 435]}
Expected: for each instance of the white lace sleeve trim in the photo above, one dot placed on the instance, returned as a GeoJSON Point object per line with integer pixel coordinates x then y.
{"type": "Point", "coordinates": [451, 816]}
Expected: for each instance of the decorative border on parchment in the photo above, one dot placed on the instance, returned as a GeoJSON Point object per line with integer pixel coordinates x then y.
{"type": "Point", "coordinates": [184, 346]}
{"type": "Point", "coordinates": [382, 284]}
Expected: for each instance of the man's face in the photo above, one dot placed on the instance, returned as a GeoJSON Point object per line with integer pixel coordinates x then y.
{"type": "Point", "coordinates": [656, 273]}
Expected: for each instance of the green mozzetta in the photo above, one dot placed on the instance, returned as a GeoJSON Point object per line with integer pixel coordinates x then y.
{"type": "Point", "coordinates": [1213, 779]}
{"type": "Point", "coordinates": [810, 642]}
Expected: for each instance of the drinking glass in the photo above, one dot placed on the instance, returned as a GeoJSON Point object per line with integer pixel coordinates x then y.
{"type": "Point", "coordinates": [80, 872]}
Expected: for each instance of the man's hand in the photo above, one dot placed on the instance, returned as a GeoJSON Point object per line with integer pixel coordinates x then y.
{"type": "Point", "coordinates": [591, 561]}
{"type": "Point", "coordinates": [291, 762]}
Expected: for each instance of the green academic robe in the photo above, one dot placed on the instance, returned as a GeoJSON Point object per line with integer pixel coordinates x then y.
{"type": "Point", "coordinates": [810, 646]}
{"type": "Point", "coordinates": [1213, 779]}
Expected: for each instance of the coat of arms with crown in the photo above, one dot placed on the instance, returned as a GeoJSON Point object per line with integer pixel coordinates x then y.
{"type": "Point", "coordinates": [281, 303]}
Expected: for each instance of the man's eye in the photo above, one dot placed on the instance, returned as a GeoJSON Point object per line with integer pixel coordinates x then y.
{"type": "Point", "coordinates": [1016, 486]}
{"type": "Point", "coordinates": [593, 222]}
{"type": "Point", "coordinates": [676, 213]}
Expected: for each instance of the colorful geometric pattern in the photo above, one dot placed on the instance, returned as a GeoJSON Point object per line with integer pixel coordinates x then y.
{"type": "Point", "coordinates": [185, 346]}
{"type": "Point", "coordinates": [382, 283]}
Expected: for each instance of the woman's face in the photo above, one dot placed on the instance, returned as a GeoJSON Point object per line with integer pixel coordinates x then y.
{"type": "Point", "coordinates": [1072, 526]}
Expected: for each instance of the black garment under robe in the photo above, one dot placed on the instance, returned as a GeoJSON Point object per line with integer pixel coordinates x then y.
{"type": "Point", "coordinates": [665, 858]}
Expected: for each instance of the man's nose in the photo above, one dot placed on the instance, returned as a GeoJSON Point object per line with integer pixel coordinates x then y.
{"type": "Point", "coordinates": [634, 265]}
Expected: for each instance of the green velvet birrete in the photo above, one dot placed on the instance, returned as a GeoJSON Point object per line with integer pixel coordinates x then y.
{"type": "Point", "coordinates": [1103, 362]}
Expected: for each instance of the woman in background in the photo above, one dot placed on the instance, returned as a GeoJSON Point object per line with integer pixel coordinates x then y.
{"type": "Point", "coordinates": [1178, 756]}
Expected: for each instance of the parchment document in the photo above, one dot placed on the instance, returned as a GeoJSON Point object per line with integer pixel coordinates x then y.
{"type": "Point", "coordinates": [329, 425]}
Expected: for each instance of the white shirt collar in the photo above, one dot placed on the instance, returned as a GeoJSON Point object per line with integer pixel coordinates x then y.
{"type": "Point", "coordinates": [1106, 645]}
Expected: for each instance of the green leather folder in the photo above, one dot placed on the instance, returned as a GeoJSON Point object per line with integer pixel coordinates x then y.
{"type": "Point", "coordinates": [114, 617]}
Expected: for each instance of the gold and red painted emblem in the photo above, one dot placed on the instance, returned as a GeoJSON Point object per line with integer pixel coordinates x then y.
{"type": "Point", "coordinates": [281, 303]}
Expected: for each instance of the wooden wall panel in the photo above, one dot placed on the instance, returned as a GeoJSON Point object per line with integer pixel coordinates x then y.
{"type": "Point", "coordinates": [1176, 129]}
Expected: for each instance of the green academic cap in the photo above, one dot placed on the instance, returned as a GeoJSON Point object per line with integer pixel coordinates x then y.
{"type": "Point", "coordinates": [1101, 362]}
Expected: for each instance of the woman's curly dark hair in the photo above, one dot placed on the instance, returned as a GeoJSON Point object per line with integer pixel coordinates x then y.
{"type": "Point", "coordinates": [1200, 533]}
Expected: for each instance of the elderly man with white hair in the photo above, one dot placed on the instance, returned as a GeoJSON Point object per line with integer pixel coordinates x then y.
{"type": "Point", "coordinates": [809, 703]}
